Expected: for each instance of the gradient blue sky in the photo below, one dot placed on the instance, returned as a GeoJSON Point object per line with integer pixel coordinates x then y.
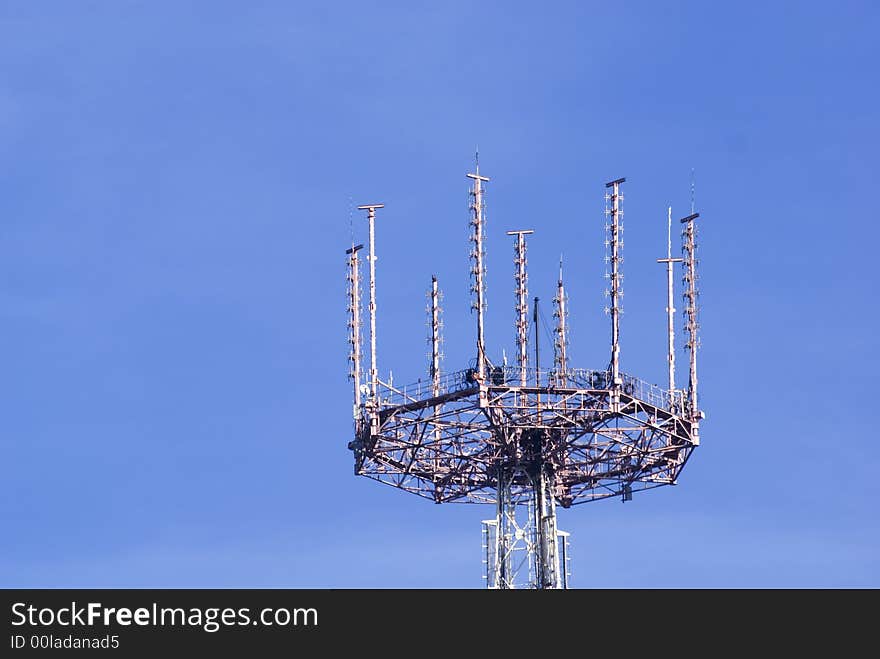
{"type": "Point", "coordinates": [176, 187]}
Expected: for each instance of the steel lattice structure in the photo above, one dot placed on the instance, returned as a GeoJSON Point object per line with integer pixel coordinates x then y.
{"type": "Point", "coordinates": [522, 437]}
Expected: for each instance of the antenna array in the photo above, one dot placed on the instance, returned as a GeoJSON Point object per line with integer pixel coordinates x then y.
{"type": "Point", "coordinates": [615, 291]}
{"type": "Point", "coordinates": [523, 438]}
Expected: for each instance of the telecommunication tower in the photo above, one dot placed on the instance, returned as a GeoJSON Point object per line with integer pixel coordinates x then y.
{"type": "Point", "coordinates": [522, 437]}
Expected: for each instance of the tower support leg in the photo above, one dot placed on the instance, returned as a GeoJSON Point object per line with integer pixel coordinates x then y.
{"type": "Point", "coordinates": [523, 546]}
{"type": "Point", "coordinates": [547, 536]}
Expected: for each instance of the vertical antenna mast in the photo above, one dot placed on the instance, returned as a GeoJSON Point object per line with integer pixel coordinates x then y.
{"type": "Point", "coordinates": [690, 296]}
{"type": "Point", "coordinates": [670, 305]}
{"type": "Point", "coordinates": [434, 369]}
{"type": "Point", "coordinates": [561, 345]}
{"type": "Point", "coordinates": [537, 358]}
{"type": "Point", "coordinates": [477, 254]}
{"type": "Point", "coordinates": [371, 216]}
{"type": "Point", "coordinates": [522, 304]}
{"type": "Point", "coordinates": [537, 348]}
{"type": "Point", "coordinates": [561, 368]}
{"type": "Point", "coordinates": [615, 229]}
{"type": "Point", "coordinates": [354, 322]}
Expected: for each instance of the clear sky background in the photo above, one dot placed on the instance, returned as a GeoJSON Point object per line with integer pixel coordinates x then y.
{"type": "Point", "coordinates": [177, 182]}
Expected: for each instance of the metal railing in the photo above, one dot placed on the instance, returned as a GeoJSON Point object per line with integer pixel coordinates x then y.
{"type": "Point", "coordinates": [575, 378]}
{"type": "Point", "coordinates": [391, 396]}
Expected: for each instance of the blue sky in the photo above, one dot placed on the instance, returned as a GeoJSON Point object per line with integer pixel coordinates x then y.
{"type": "Point", "coordinates": [176, 191]}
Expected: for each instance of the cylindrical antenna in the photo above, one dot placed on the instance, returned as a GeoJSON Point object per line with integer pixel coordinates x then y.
{"type": "Point", "coordinates": [436, 340]}
{"type": "Point", "coordinates": [689, 249]}
{"type": "Point", "coordinates": [522, 304]}
{"type": "Point", "coordinates": [374, 372]}
{"type": "Point", "coordinates": [561, 363]}
{"type": "Point", "coordinates": [477, 254]}
{"type": "Point", "coordinates": [537, 361]}
{"type": "Point", "coordinates": [561, 343]}
{"type": "Point", "coordinates": [537, 348]}
{"type": "Point", "coordinates": [354, 322]}
{"type": "Point", "coordinates": [670, 304]}
{"type": "Point", "coordinates": [616, 292]}
{"type": "Point", "coordinates": [435, 336]}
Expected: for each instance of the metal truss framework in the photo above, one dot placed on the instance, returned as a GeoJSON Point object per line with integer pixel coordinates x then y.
{"type": "Point", "coordinates": [593, 441]}
{"type": "Point", "coordinates": [523, 438]}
